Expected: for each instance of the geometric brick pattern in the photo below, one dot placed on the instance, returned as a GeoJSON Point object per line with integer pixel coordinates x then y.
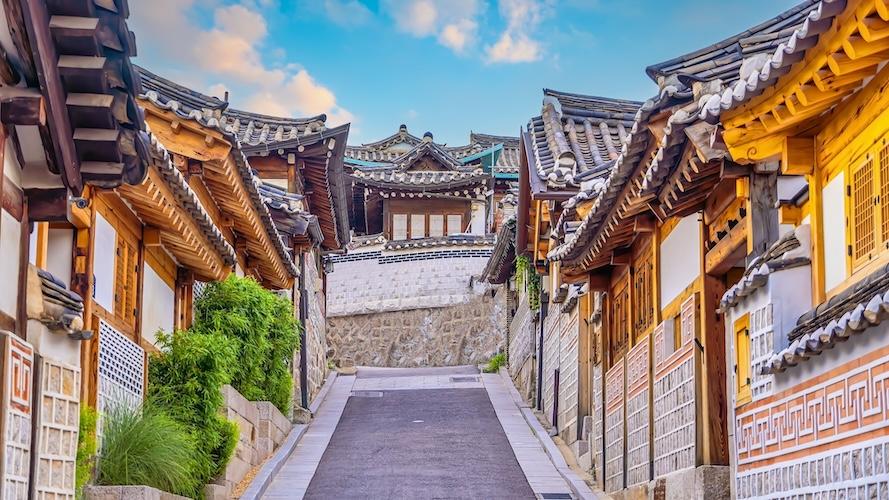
{"type": "Point", "coordinates": [597, 441]}
{"type": "Point", "coordinates": [638, 414]}
{"type": "Point", "coordinates": [59, 418]}
{"type": "Point", "coordinates": [550, 364]}
{"type": "Point", "coordinates": [674, 395]}
{"type": "Point", "coordinates": [762, 339]}
{"type": "Point", "coordinates": [568, 373]}
{"type": "Point", "coordinates": [17, 372]}
{"type": "Point", "coordinates": [614, 427]}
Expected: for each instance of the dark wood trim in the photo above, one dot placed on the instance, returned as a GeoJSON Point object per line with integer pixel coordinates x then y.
{"type": "Point", "coordinates": [36, 19]}
{"type": "Point", "coordinates": [13, 199]}
{"type": "Point", "coordinates": [22, 303]}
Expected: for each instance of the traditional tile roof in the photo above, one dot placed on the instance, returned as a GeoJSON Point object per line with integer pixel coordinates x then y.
{"type": "Point", "coordinates": [60, 308]}
{"type": "Point", "coordinates": [427, 148]}
{"type": "Point", "coordinates": [501, 263]}
{"type": "Point", "coordinates": [761, 70]}
{"type": "Point", "coordinates": [576, 133]}
{"type": "Point", "coordinates": [850, 312]}
{"type": "Point", "coordinates": [441, 241]}
{"type": "Point", "coordinates": [790, 250]}
{"type": "Point", "coordinates": [288, 217]}
{"type": "Point", "coordinates": [420, 180]}
{"type": "Point", "coordinates": [723, 60]}
{"type": "Point", "coordinates": [251, 129]}
{"type": "Point", "coordinates": [631, 154]}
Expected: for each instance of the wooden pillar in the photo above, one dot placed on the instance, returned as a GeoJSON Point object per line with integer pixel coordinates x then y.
{"type": "Point", "coordinates": [184, 302]}
{"type": "Point", "coordinates": [761, 209]}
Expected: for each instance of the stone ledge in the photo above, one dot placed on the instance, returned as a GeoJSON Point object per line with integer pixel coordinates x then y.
{"type": "Point", "coordinates": [91, 492]}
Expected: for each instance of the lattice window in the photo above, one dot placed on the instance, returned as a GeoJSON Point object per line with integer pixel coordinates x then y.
{"type": "Point", "coordinates": [399, 226]}
{"type": "Point", "coordinates": [620, 304]}
{"type": "Point", "coordinates": [126, 276]}
{"type": "Point", "coordinates": [121, 370]}
{"type": "Point", "coordinates": [455, 223]}
{"type": "Point", "coordinates": [436, 225]}
{"type": "Point", "coordinates": [863, 223]}
{"type": "Point", "coordinates": [742, 359]}
{"type": "Point", "coordinates": [884, 191]}
{"type": "Point", "coordinates": [643, 294]}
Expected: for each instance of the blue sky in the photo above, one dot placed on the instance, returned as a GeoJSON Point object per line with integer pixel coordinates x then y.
{"type": "Point", "coordinates": [447, 66]}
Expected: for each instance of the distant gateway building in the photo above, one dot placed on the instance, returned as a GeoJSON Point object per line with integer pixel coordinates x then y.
{"type": "Point", "coordinates": [406, 291]}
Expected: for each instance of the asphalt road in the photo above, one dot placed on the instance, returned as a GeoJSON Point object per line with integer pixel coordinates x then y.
{"type": "Point", "coordinates": [407, 444]}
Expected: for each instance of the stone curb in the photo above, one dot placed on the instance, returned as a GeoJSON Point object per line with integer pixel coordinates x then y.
{"type": "Point", "coordinates": [577, 485]}
{"type": "Point", "coordinates": [268, 471]}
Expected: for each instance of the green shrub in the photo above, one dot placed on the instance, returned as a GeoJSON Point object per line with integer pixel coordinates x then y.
{"type": "Point", "coordinates": [527, 278]}
{"type": "Point", "coordinates": [265, 331]}
{"type": "Point", "coordinates": [86, 448]}
{"type": "Point", "coordinates": [185, 381]}
{"type": "Point", "coordinates": [495, 363]}
{"type": "Point", "coordinates": [144, 446]}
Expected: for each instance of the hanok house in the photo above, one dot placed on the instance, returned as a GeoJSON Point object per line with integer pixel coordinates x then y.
{"type": "Point", "coordinates": [806, 321]}
{"type": "Point", "coordinates": [567, 153]}
{"type": "Point", "coordinates": [274, 187]}
{"type": "Point", "coordinates": [70, 130]}
{"type": "Point", "coordinates": [670, 230]}
{"type": "Point", "coordinates": [406, 292]}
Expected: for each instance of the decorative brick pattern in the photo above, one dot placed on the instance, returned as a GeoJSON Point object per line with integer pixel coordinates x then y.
{"type": "Point", "coordinates": [858, 471]}
{"type": "Point", "coordinates": [18, 369]}
{"type": "Point", "coordinates": [638, 414]}
{"type": "Point", "coordinates": [614, 427]}
{"type": "Point", "coordinates": [597, 437]}
{"type": "Point", "coordinates": [59, 418]}
{"type": "Point", "coordinates": [316, 333]}
{"type": "Point", "coordinates": [568, 377]}
{"type": "Point", "coordinates": [674, 396]}
{"type": "Point", "coordinates": [550, 364]}
{"type": "Point", "coordinates": [521, 348]}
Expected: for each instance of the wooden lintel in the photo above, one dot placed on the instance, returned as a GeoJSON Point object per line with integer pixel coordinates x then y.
{"type": "Point", "coordinates": [658, 211]}
{"type": "Point", "coordinates": [599, 281]}
{"type": "Point", "coordinates": [21, 107]}
{"type": "Point", "coordinates": [151, 236]}
{"type": "Point", "coordinates": [573, 278]}
{"type": "Point", "coordinates": [47, 205]}
{"type": "Point", "coordinates": [240, 245]}
{"type": "Point", "coordinates": [798, 157]}
{"type": "Point", "coordinates": [731, 170]}
{"type": "Point", "coordinates": [644, 224]}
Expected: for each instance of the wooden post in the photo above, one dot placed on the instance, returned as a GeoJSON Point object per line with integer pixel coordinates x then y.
{"type": "Point", "coordinates": [763, 215]}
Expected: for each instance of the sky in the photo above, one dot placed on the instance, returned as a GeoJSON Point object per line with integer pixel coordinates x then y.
{"type": "Point", "coordinates": [445, 66]}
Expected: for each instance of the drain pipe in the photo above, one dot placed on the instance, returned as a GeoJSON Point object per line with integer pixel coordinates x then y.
{"type": "Point", "coordinates": [303, 359]}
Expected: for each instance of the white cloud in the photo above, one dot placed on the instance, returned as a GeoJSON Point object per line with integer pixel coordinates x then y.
{"type": "Point", "coordinates": [232, 50]}
{"type": "Point", "coordinates": [515, 44]}
{"type": "Point", "coordinates": [453, 22]}
{"type": "Point", "coordinates": [347, 12]}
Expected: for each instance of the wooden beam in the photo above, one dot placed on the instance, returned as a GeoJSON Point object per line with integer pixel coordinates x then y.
{"type": "Point", "coordinates": [725, 253]}
{"type": "Point", "coordinates": [621, 258]}
{"type": "Point", "coordinates": [762, 230]}
{"type": "Point", "coordinates": [732, 170]}
{"type": "Point", "coordinates": [798, 157]}
{"type": "Point", "coordinates": [21, 107]}
{"type": "Point", "coordinates": [644, 224]}
{"type": "Point", "coordinates": [151, 236]}
{"type": "Point", "coordinates": [47, 204]}
{"type": "Point", "coordinates": [599, 281]}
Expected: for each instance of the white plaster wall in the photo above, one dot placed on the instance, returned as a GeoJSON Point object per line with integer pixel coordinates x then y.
{"type": "Point", "coordinates": [10, 252]}
{"type": "Point", "coordinates": [59, 254]}
{"type": "Point", "coordinates": [103, 262]}
{"type": "Point", "coordinates": [367, 286]}
{"type": "Point", "coordinates": [680, 258]}
{"type": "Point", "coordinates": [477, 225]}
{"type": "Point", "coordinates": [53, 345]}
{"type": "Point", "coordinates": [158, 305]}
{"type": "Point", "coordinates": [834, 210]}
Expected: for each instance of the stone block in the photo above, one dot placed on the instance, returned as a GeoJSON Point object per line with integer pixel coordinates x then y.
{"type": "Point", "coordinates": [217, 492]}
{"type": "Point", "coordinates": [301, 415]}
{"type": "Point", "coordinates": [701, 483]}
{"type": "Point", "coordinates": [587, 425]}
{"type": "Point", "coordinates": [91, 492]}
{"type": "Point", "coordinates": [585, 461]}
{"type": "Point", "coordinates": [237, 468]}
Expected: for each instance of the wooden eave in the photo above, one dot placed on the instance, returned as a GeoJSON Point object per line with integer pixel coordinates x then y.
{"type": "Point", "coordinates": [185, 137]}
{"type": "Point", "coordinates": [845, 56]}
{"type": "Point", "coordinates": [224, 181]}
{"type": "Point", "coordinates": [157, 207]}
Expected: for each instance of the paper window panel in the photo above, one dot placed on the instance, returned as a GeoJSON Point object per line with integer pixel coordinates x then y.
{"type": "Point", "coordinates": [418, 226]}
{"type": "Point", "coordinates": [399, 227]}
{"type": "Point", "coordinates": [436, 226]}
{"type": "Point", "coordinates": [455, 224]}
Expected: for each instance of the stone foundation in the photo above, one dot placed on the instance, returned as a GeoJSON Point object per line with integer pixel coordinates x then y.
{"type": "Point", "coordinates": [468, 333]}
{"type": "Point", "coordinates": [127, 493]}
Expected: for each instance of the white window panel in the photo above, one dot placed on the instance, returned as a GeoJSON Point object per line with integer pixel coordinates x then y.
{"type": "Point", "coordinates": [399, 227]}
{"type": "Point", "coordinates": [103, 263]}
{"type": "Point", "coordinates": [455, 224]}
{"type": "Point", "coordinates": [436, 226]}
{"type": "Point", "coordinates": [418, 226]}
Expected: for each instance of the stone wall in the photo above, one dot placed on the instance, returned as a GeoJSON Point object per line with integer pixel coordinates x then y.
{"type": "Point", "coordinates": [373, 280]}
{"type": "Point", "coordinates": [316, 333]}
{"type": "Point", "coordinates": [522, 334]}
{"type": "Point", "coordinates": [461, 334]}
{"type": "Point", "coordinates": [261, 429]}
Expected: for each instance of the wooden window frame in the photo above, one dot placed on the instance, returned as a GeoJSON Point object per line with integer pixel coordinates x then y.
{"type": "Point", "coordinates": [874, 187]}
{"type": "Point", "coordinates": [617, 335]}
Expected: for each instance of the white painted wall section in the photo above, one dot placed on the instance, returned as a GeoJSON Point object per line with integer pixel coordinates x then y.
{"type": "Point", "coordinates": [680, 258]}
{"type": "Point", "coordinates": [834, 210]}
{"type": "Point", "coordinates": [158, 303]}
{"type": "Point", "coordinates": [59, 254]}
{"type": "Point", "coordinates": [10, 252]}
{"type": "Point", "coordinates": [103, 263]}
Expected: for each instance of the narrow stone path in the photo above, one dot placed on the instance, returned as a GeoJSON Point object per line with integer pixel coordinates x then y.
{"type": "Point", "coordinates": [425, 433]}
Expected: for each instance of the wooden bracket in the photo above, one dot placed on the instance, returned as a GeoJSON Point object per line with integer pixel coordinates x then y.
{"type": "Point", "coordinates": [643, 224]}
{"type": "Point", "coordinates": [21, 107]}
{"type": "Point", "coordinates": [151, 236]}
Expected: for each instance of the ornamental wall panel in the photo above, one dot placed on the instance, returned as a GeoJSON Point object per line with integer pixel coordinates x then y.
{"type": "Point", "coordinates": [615, 464]}
{"type": "Point", "coordinates": [762, 340]}
{"type": "Point", "coordinates": [550, 364]}
{"type": "Point", "coordinates": [568, 345]}
{"type": "Point", "coordinates": [15, 427]}
{"type": "Point", "coordinates": [824, 436]}
{"type": "Point", "coordinates": [638, 414]}
{"type": "Point", "coordinates": [57, 439]}
{"type": "Point", "coordinates": [674, 394]}
{"type": "Point", "coordinates": [121, 370]}
{"type": "Point", "coordinates": [597, 437]}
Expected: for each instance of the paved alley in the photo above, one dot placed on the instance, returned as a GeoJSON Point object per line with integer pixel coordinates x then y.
{"type": "Point", "coordinates": [424, 433]}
